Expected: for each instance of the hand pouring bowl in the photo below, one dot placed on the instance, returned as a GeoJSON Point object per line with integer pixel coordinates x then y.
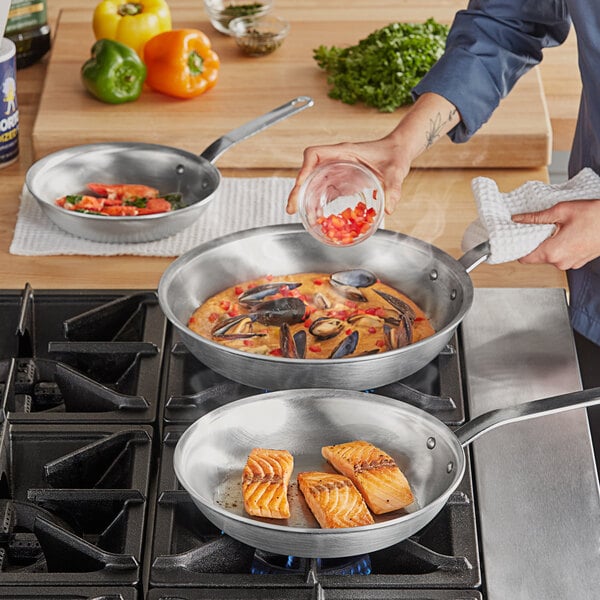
{"type": "Point", "coordinates": [170, 170]}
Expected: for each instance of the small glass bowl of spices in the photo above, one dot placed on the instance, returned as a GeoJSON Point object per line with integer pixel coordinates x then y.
{"type": "Point", "coordinates": [259, 35]}
{"type": "Point", "coordinates": [341, 203]}
{"type": "Point", "coordinates": [222, 12]}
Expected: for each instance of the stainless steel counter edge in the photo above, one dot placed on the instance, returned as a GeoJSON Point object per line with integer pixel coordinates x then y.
{"type": "Point", "coordinates": [536, 481]}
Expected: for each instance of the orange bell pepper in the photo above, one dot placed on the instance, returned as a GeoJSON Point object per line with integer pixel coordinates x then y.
{"type": "Point", "coordinates": [181, 63]}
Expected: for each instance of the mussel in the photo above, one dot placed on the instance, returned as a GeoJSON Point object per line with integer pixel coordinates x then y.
{"type": "Point", "coordinates": [365, 320]}
{"type": "Point", "coordinates": [292, 346]}
{"type": "Point", "coordinates": [402, 307]}
{"type": "Point", "coordinates": [346, 346]}
{"type": "Point", "coordinates": [400, 335]}
{"type": "Point", "coordinates": [347, 283]}
{"type": "Point", "coordinates": [325, 328]}
{"type": "Point", "coordinates": [320, 301]}
{"type": "Point", "coordinates": [281, 310]}
{"type": "Point", "coordinates": [354, 278]}
{"type": "Point", "coordinates": [239, 327]}
{"type": "Point", "coordinates": [258, 293]}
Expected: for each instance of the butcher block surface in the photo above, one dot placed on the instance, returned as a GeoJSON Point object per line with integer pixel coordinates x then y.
{"type": "Point", "coordinates": [518, 134]}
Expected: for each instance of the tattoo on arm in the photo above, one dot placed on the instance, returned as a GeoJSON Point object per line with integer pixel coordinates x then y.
{"type": "Point", "coordinates": [436, 126]}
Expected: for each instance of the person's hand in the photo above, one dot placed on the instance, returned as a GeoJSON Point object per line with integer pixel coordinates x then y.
{"type": "Point", "coordinates": [576, 239]}
{"type": "Point", "coordinates": [390, 157]}
{"type": "Point", "coordinates": [388, 163]}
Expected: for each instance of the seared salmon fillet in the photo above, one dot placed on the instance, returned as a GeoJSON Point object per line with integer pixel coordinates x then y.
{"type": "Point", "coordinates": [334, 500]}
{"type": "Point", "coordinates": [383, 486]}
{"type": "Point", "coordinates": [265, 482]}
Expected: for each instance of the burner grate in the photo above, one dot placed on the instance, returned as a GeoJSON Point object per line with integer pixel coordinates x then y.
{"type": "Point", "coordinates": [81, 356]}
{"type": "Point", "coordinates": [73, 503]}
{"type": "Point", "coordinates": [187, 549]}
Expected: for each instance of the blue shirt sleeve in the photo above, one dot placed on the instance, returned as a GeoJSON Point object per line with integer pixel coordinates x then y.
{"type": "Point", "coordinates": [490, 45]}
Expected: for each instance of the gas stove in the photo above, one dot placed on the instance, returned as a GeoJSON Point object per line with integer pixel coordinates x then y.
{"type": "Point", "coordinates": [95, 391]}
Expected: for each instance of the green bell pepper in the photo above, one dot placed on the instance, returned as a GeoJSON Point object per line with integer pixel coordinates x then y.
{"type": "Point", "coordinates": [114, 73]}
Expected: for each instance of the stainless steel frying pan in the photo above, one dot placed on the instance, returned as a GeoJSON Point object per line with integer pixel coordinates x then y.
{"type": "Point", "coordinates": [211, 454]}
{"type": "Point", "coordinates": [438, 283]}
{"type": "Point", "coordinates": [168, 169]}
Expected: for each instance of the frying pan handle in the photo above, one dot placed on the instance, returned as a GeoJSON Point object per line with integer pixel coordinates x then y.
{"type": "Point", "coordinates": [251, 127]}
{"type": "Point", "coordinates": [536, 408]}
{"type": "Point", "coordinates": [475, 256]}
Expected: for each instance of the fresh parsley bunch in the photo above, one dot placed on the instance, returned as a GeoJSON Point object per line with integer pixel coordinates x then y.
{"type": "Point", "coordinates": [382, 68]}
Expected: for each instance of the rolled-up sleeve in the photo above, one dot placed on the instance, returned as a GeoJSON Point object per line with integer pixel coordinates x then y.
{"type": "Point", "coordinates": [490, 45]}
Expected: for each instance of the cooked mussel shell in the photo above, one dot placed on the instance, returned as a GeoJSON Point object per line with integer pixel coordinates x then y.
{"type": "Point", "coordinates": [292, 346]}
{"type": "Point", "coordinates": [300, 341]}
{"type": "Point", "coordinates": [324, 328]}
{"type": "Point", "coordinates": [321, 301]}
{"type": "Point", "coordinates": [400, 335]}
{"type": "Point", "coordinates": [348, 291]}
{"type": "Point", "coordinates": [258, 293]}
{"type": "Point", "coordinates": [346, 346]}
{"type": "Point", "coordinates": [235, 328]}
{"type": "Point", "coordinates": [365, 320]}
{"type": "Point", "coordinates": [356, 278]}
{"type": "Point", "coordinates": [279, 311]}
{"type": "Point", "coordinates": [402, 307]}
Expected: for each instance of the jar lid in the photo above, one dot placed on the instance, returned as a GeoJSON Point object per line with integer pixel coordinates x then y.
{"type": "Point", "coordinates": [7, 49]}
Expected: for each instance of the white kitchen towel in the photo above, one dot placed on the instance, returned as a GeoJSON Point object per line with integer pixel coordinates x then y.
{"type": "Point", "coordinates": [241, 203]}
{"type": "Point", "coordinates": [509, 240]}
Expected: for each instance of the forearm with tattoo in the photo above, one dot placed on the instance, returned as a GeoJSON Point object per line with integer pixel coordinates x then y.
{"type": "Point", "coordinates": [438, 126]}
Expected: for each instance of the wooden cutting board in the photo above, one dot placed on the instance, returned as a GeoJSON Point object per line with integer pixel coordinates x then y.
{"type": "Point", "coordinates": [518, 135]}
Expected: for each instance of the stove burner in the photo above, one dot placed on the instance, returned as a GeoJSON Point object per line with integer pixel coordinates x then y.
{"type": "Point", "coordinates": [266, 563]}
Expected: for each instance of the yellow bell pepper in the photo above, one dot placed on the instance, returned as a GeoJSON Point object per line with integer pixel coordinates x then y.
{"type": "Point", "coordinates": [131, 23]}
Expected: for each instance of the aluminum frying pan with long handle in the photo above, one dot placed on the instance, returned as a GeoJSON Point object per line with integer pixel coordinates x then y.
{"type": "Point", "coordinates": [211, 454]}
{"type": "Point", "coordinates": [170, 170]}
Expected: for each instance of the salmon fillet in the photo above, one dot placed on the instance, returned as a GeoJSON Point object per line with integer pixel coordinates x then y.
{"type": "Point", "coordinates": [265, 482]}
{"type": "Point", "coordinates": [334, 500]}
{"type": "Point", "coordinates": [383, 486]}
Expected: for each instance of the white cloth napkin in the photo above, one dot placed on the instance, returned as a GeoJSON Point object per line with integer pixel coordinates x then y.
{"type": "Point", "coordinates": [509, 240]}
{"type": "Point", "coordinates": [241, 203]}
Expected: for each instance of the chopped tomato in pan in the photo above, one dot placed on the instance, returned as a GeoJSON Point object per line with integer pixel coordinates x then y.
{"type": "Point", "coordinates": [121, 200]}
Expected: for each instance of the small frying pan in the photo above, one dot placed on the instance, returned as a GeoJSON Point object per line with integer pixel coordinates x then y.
{"type": "Point", "coordinates": [168, 169]}
{"type": "Point", "coordinates": [211, 454]}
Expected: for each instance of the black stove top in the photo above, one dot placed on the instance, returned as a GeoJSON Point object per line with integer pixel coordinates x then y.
{"type": "Point", "coordinates": [95, 391]}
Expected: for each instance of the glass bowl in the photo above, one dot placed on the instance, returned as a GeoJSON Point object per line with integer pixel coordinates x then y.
{"type": "Point", "coordinates": [259, 35]}
{"type": "Point", "coordinates": [222, 12]}
{"type": "Point", "coordinates": [341, 203]}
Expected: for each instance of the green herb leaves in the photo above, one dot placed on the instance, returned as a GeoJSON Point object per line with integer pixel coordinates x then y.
{"type": "Point", "coordinates": [382, 68]}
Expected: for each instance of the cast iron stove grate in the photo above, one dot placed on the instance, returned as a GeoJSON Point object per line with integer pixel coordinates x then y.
{"type": "Point", "coordinates": [191, 389]}
{"type": "Point", "coordinates": [72, 356]}
{"type": "Point", "coordinates": [73, 503]}
{"type": "Point", "coordinates": [188, 551]}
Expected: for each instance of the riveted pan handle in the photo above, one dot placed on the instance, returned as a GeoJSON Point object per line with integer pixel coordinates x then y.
{"type": "Point", "coordinates": [528, 410]}
{"type": "Point", "coordinates": [251, 127]}
{"type": "Point", "coordinates": [475, 256]}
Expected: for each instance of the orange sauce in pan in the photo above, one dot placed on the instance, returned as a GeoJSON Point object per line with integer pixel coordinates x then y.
{"type": "Point", "coordinates": [330, 310]}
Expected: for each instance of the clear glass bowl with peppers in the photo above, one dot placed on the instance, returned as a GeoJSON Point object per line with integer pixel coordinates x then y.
{"type": "Point", "coordinates": [259, 35]}
{"type": "Point", "coordinates": [341, 203]}
{"type": "Point", "coordinates": [222, 12]}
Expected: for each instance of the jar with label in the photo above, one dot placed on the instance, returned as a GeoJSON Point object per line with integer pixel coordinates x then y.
{"type": "Point", "coordinates": [28, 28]}
{"type": "Point", "coordinates": [9, 112]}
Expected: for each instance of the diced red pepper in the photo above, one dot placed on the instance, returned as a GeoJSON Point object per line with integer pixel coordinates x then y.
{"type": "Point", "coordinates": [351, 223]}
{"type": "Point", "coordinates": [315, 348]}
